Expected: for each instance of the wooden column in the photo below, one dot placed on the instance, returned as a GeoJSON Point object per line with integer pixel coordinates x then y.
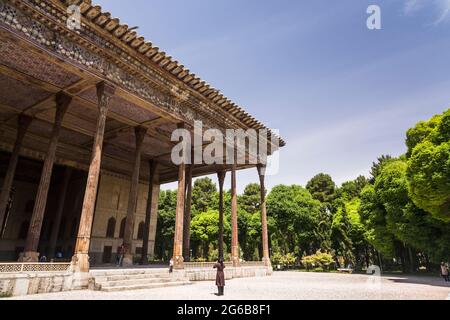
{"type": "Point", "coordinates": [80, 260]}
{"type": "Point", "coordinates": [178, 259]}
{"type": "Point", "coordinates": [23, 125]}
{"type": "Point", "coordinates": [187, 216]}
{"type": "Point", "coordinates": [234, 216]}
{"type": "Point", "coordinates": [265, 236]}
{"type": "Point", "coordinates": [221, 176]}
{"type": "Point", "coordinates": [140, 133]}
{"type": "Point", "coordinates": [178, 237]}
{"type": "Point", "coordinates": [59, 212]}
{"type": "Point", "coordinates": [152, 206]}
{"type": "Point", "coordinates": [34, 232]}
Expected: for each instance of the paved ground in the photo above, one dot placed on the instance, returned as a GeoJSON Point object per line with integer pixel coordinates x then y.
{"type": "Point", "coordinates": [284, 286]}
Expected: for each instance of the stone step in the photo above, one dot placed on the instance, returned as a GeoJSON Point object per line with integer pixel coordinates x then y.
{"type": "Point", "coordinates": [145, 286]}
{"type": "Point", "coordinates": [97, 273]}
{"type": "Point", "coordinates": [133, 277]}
{"type": "Point", "coordinates": [130, 282]}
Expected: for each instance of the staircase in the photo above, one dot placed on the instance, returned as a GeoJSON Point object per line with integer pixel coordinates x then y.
{"type": "Point", "coordinates": [135, 279]}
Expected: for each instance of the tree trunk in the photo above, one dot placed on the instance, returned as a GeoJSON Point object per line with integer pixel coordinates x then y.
{"type": "Point", "coordinates": [205, 251]}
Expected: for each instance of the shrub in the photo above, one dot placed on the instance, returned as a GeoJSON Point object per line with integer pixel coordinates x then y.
{"type": "Point", "coordinates": [285, 261]}
{"type": "Point", "coordinates": [201, 259]}
{"type": "Point", "coordinates": [318, 261]}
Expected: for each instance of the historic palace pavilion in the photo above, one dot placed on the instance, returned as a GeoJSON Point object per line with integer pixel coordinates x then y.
{"type": "Point", "coordinates": [86, 118]}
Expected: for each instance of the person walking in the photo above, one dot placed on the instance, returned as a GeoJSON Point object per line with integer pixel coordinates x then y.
{"type": "Point", "coordinates": [445, 272]}
{"type": "Point", "coordinates": [119, 258]}
{"type": "Point", "coordinates": [171, 266]}
{"type": "Point", "coordinates": [220, 277]}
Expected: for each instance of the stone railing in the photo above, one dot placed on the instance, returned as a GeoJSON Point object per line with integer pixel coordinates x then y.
{"type": "Point", "coordinates": [33, 267]}
{"type": "Point", "coordinates": [209, 265]}
{"type": "Point", "coordinates": [253, 264]}
{"type": "Point", "coordinates": [204, 265]}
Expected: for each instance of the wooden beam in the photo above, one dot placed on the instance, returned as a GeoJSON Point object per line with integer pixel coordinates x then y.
{"type": "Point", "coordinates": [29, 80]}
{"type": "Point", "coordinates": [49, 102]}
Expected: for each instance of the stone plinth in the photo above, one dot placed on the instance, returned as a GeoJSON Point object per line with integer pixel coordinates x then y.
{"type": "Point", "coordinates": [27, 284]}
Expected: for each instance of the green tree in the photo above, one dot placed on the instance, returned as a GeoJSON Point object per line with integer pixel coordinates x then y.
{"type": "Point", "coordinates": [429, 165]}
{"type": "Point", "coordinates": [408, 223]}
{"type": "Point", "coordinates": [166, 223]}
{"type": "Point", "coordinates": [204, 195]}
{"type": "Point", "coordinates": [376, 167]}
{"type": "Point", "coordinates": [373, 217]}
{"type": "Point", "coordinates": [249, 222]}
{"type": "Point", "coordinates": [322, 188]}
{"type": "Point", "coordinates": [205, 230]}
{"type": "Point", "coordinates": [249, 227]}
{"type": "Point", "coordinates": [351, 189]}
{"type": "Point", "coordinates": [295, 217]}
{"type": "Point", "coordinates": [348, 233]}
{"type": "Point", "coordinates": [250, 201]}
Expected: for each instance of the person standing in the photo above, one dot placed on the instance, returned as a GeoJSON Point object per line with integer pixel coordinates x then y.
{"type": "Point", "coordinates": [171, 266]}
{"type": "Point", "coordinates": [445, 272]}
{"type": "Point", "coordinates": [220, 277]}
{"type": "Point", "coordinates": [119, 258]}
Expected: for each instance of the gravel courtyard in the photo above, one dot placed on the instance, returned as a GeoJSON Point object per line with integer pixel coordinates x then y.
{"type": "Point", "coordinates": [283, 286]}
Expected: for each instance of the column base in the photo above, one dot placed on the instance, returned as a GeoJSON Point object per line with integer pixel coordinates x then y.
{"type": "Point", "coordinates": [80, 263]}
{"type": "Point", "coordinates": [127, 260]}
{"type": "Point", "coordinates": [267, 262]}
{"type": "Point", "coordinates": [81, 281]}
{"type": "Point", "coordinates": [29, 256]}
{"type": "Point", "coordinates": [178, 263]}
{"type": "Point", "coordinates": [236, 262]}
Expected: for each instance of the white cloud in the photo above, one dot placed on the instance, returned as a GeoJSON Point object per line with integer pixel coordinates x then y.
{"type": "Point", "coordinates": [412, 6]}
{"type": "Point", "coordinates": [444, 11]}
{"type": "Point", "coordinates": [441, 8]}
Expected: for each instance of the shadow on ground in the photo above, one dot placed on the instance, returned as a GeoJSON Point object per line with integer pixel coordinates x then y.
{"type": "Point", "coordinates": [414, 279]}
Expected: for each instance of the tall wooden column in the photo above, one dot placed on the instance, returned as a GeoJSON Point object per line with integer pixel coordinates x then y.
{"type": "Point", "coordinates": [234, 216]}
{"type": "Point", "coordinates": [187, 216]}
{"type": "Point", "coordinates": [265, 236]}
{"type": "Point", "coordinates": [34, 232]}
{"type": "Point", "coordinates": [80, 260]}
{"type": "Point", "coordinates": [152, 206]}
{"type": "Point", "coordinates": [23, 125]}
{"type": "Point", "coordinates": [178, 259]}
{"type": "Point", "coordinates": [178, 237]}
{"type": "Point", "coordinates": [221, 175]}
{"type": "Point", "coordinates": [140, 133]}
{"type": "Point", "coordinates": [59, 212]}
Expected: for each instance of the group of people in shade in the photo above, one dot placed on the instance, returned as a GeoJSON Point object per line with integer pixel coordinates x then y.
{"type": "Point", "coordinates": [445, 271]}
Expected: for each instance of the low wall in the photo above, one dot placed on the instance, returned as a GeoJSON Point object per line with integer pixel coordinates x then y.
{"type": "Point", "coordinates": [26, 284]}
{"type": "Point", "coordinates": [230, 273]}
{"type": "Point", "coordinates": [21, 284]}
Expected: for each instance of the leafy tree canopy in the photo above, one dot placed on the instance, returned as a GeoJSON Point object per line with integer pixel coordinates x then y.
{"type": "Point", "coordinates": [376, 166]}
{"type": "Point", "coordinates": [204, 195]}
{"type": "Point", "coordinates": [429, 165]}
{"type": "Point", "coordinates": [322, 188]}
{"type": "Point", "coordinates": [295, 214]}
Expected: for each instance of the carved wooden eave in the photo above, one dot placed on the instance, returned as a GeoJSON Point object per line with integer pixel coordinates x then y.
{"type": "Point", "coordinates": [153, 90]}
{"type": "Point", "coordinates": [186, 84]}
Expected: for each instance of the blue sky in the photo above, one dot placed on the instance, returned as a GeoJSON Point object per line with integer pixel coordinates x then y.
{"type": "Point", "coordinates": [340, 94]}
